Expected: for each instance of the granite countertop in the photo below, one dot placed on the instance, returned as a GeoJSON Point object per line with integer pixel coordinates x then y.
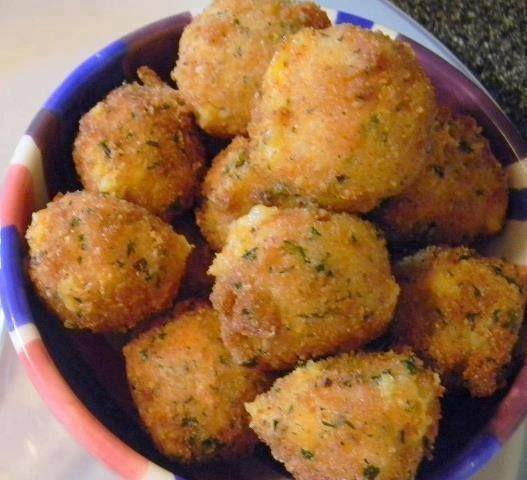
{"type": "Point", "coordinates": [490, 38]}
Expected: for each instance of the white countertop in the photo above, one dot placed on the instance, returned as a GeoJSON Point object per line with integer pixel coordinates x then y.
{"type": "Point", "coordinates": [41, 43]}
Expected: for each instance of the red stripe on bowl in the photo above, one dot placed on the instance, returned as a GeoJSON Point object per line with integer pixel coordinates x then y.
{"type": "Point", "coordinates": [17, 198]}
{"type": "Point", "coordinates": [84, 427]}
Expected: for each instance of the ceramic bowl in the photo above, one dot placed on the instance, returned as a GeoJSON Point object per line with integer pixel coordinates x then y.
{"type": "Point", "coordinates": [80, 375]}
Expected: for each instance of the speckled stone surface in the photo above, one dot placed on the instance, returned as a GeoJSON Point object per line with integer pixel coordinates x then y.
{"type": "Point", "coordinates": [490, 38]}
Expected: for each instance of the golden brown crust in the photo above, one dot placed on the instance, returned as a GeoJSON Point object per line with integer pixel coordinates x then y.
{"type": "Point", "coordinates": [363, 416]}
{"type": "Point", "coordinates": [102, 263]}
{"type": "Point", "coordinates": [232, 187]}
{"type": "Point", "coordinates": [140, 143]}
{"type": "Point", "coordinates": [189, 393]}
{"type": "Point", "coordinates": [461, 313]}
{"type": "Point", "coordinates": [343, 117]}
{"type": "Point", "coordinates": [461, 195]}
{"type": "Point", "coordinates": [293, 284]}
{"type": "Point", "coordinates": [224, 52]}
{"type": "Point", "coordinates": [227, 191]}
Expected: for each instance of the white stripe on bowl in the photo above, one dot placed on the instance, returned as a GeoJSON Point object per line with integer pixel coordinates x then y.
{"type": "Point", "coordinates": [28, 154]}
{"type": "Point", "coordinates": [510, 244]}
{"type": "Point", "coordinates": [332, 14]}
{"type": "Point", "coordinates": [155, 472]}
{"type": "Point", "coordinates": [517, 174]}
{"type": "Point", "coordinates": [387, 31]}
{"type": "Point", "coordinates": [23, 335]}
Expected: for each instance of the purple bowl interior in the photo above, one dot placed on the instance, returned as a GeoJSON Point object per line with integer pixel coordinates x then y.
{"type": "Point", "coordinates": [92, 364]}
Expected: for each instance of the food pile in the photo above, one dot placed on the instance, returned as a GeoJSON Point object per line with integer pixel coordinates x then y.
{"type": "Point", "coordinates": [339, 157]}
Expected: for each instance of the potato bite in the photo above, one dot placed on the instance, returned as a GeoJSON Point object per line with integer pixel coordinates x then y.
{"type": "Point", "coordinates": [343, 117]}
{"type": "Point", "coordinates": [231, 188]}
{"type": "Point", "coordinates": [364, 416]}
{"type": "Point", "coordinates": [189, 392]}
{"type": "Point", "coordinates": [293, 284]}
{"type": "Point", "coordinates": [102, 263]}
{"type": "Point", "coordinates": [461, 314]}
{"type": "Point", "coordinates": [140, 143]}
{"type": "Point", "coordinates": [224, 52]}
{"type": "Point", "coordinates": [460, 196]}
{"type": "Point", "coordinates": [228, 191]}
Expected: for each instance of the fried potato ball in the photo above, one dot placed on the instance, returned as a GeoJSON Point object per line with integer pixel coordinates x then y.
{"type": "Point", "coordinates": [460, 196]}
{"type": "Point", "coordinates": [364, 416]}
{"type": "Point", "coordinates": [344, 117]}
{"type": "Point", "coordinates": [189, 392]}
{"type": "Point", "coordinates": [224, 52]}
{"type": "Point", "coordinates": [228, 192]}
{"type": "Point", "coordinates": [231, 188]}
{"type": "Point", "coordinates": [461, 314]}
{"type": "Point", "coordinates": [140, 143]}
{"type": "Point", "coordinates": [102, 263]}
{"type": "Point", "coordinates": [293, 284]}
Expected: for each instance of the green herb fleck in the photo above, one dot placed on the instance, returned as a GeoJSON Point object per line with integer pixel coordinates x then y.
{"type": "Point", "coordinates": [106, 149]}
{"type": "Point", "coordinates": [82, 241]}
{"type": "Point", "coordinates": [250, 254]}
{"type": "Point", "coordinates": [238, 285]}
{"type": "Point", "coordinates": [189, 422]}
{"type": "Point", "coordinates": [144, 354]}
{"type": "Point", "coordinates": [152, 143]}
{"type": "Point", "coordinates": [328, 424]}
{"type": "Point", "coordinates": [307, 454]}
{"type": "Point", "coordinates": [242, 159]}
{"type": "Point", "coordinates": [511, 281]}
{"type": "Point", "coordinates": [250, 363]}
{"type": "Point", "coordinates": [341, 178]}
{"type": "Point", "coordinates": [370, 472]}
{"type": "Point", "coordinates": [275, 424]}
{"type": "Point", "coordinates": [439, 170]}
{"type": "Point", "coordinates": [130, 248]}
{"type": "Point", "coordinates": [75, 222]}
{"type": "Point", "coordinates": [512, 321]}
{"type": "Point", "coordinates": [465, 147]}
{"type": "Point", "coordinates": [315, 232]}
{"type": "Point", "coordinates": [295, 249]}
{"type": "Point", "coordinates": [211, 444]}
{"type": "Point", "coordinates": [410, 365]}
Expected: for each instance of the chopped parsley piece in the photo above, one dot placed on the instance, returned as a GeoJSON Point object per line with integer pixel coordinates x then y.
{"type": "Point", "coordinates": [106, 149]}
{"type": "Point", "coordinates": [241, 160]}
{"type": "Point", "coordinates": [249, 363]}
{"type": "Point", "coordinates": [152, 143]}
{"type": "Point", "coordinates": [341, 178]}
{"type": "Point", "coordinates": [465, 147]}
{"type": "Point", "coordinates": [307, 454]}
{"type": "Point", "coordinates": [82, 241]}
{"type": "Point", "coordinates": [315, 232]}
{"type": "Point", "coordinates": [295, 249]}
{"type": "Point", "coordinates": [130, 248]}
{"type": "Point", "coordinates": [370, 472]}
{"type": "Point", "coordinates": [409, 363]}
{"type": "Point", "coordinates": [75, 222]}
{"type": "Point", "coordinates": [189, 422]}
{"type": "Point", "coordinates": [438, 170]}
{"type": "Point", "coordinates": [250, 254]}
{"type": "Point", "coordinates": [498, 271]}
{"type": "Point", "coordinates": [211, 443]}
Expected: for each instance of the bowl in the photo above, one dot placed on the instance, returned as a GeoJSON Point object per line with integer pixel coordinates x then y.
{"type": "Point", "coordinates": [81, 375]}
